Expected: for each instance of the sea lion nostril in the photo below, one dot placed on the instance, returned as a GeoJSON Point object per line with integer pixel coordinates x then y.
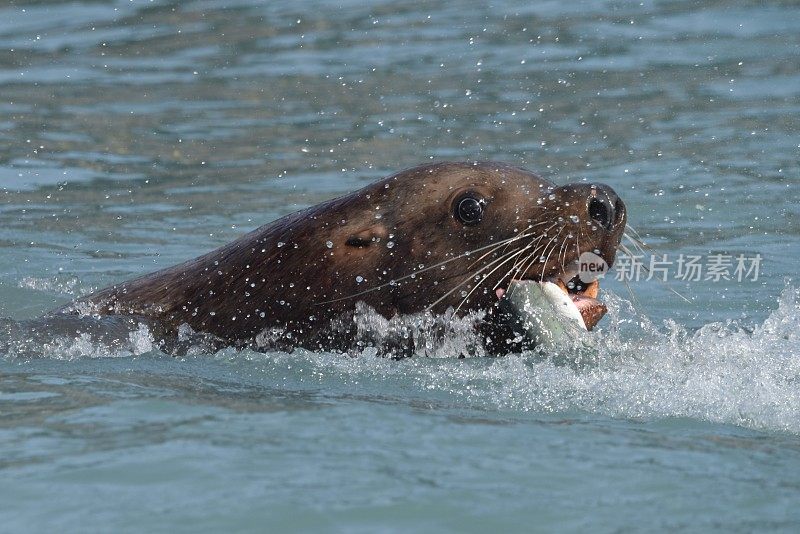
{"type": "Point", "coordinates": [601, 213]}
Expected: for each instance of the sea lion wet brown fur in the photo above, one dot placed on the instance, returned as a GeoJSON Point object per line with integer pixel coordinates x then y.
{"type": "Point", "coordinates": [421, 239]}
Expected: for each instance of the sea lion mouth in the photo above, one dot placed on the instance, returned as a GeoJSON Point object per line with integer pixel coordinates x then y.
{"type": "Point", "coordinates": [582, 295]}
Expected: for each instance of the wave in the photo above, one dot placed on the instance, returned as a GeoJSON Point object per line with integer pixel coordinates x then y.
{"type": "Point", "coordinates": [722, 372]}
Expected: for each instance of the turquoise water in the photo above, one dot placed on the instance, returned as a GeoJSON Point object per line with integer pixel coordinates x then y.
{"type": "Point", "coordinates": [137, 134]}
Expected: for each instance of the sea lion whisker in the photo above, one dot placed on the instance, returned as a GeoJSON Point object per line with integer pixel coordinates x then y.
{"type": "Point", "coordinates": [528, 260]}
{"type": "Point", "coordinates": [547, 260]}
{"type": "Point", "coordinates": [472, 275]}
{"type": "Point", "coordinates": [525, 233]}
{"type": "Point", "coordinates": [565, 249]}
{"type": "Point", "coordinates": [531, 226]}
{"type": "Point", "coordinates": [627, 251]}
{"type": "Point", "coordinates": [517, 267]}
{"type": "Point", "coordinates": [636, 304]}
{"type": "Point", "coordinates": [418, 271]}
{"type": "Point", "coordinates": [638, 241]}
{"type": "Point", "coordinates": [635, 242]}
{"type": "Point", "coordinates": [503, 257]}
{"type": "Point", "coordinates": [474, 263]}
{"type": "Point", "coordinates": [504, 245]}
{"type": "Point", "coordinates": [636, 233]}
{"type": "Point", "coordinates": [512, 255]}
{"type": "Point", "coordinates": [543, 247]}
{"type": "Point", "coordinates": [561, 257]}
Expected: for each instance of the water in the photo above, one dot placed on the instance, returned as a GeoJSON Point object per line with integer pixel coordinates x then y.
{"type": "Point", "coordinates": [136, 134]}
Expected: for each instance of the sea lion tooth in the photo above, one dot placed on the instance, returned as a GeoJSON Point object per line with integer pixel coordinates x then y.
{"type": "Point", "coordinates": [592, 290]}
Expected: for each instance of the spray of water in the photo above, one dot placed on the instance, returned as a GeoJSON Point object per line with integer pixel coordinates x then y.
{"type": "Point", "coordinates": [722, 372]}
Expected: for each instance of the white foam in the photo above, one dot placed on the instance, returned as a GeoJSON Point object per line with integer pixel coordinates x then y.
{"type": "Point", "coordinates": [722, 373]}
{"type": "Point", "coordinates": [61, 286]}
{"type": "Point", "coordinates": [22, 343]}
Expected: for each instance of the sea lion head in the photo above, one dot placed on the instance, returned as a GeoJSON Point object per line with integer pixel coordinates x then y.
{"type": "Point", "coordinates": [444, 236]}
{"type": "Point", "coordinates": [453, 235]}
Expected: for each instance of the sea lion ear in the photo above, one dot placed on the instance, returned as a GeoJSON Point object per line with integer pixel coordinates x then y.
{"type": "Point", "coordinates": [367, 236]}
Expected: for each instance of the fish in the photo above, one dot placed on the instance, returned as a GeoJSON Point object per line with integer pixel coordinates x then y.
{"type": "Point", "coordinates": [549, 313]}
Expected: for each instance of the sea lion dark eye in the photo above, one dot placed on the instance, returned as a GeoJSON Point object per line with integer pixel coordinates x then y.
{"type": "Point", "coordinates": [469, 209]}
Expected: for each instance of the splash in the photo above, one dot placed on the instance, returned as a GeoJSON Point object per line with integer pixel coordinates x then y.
{"type": "Point", "coordinates": [721, 373]}
{"type": "Point", "coordinates": [421, 334]}
{"type": "Point", "coordinates": [68, 286]}
{"type": "Point", "coordinates": [74, 338]}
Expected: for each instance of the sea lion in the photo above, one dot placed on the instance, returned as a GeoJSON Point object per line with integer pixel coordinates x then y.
{"type": "Point", "coordinates": [439, 237]}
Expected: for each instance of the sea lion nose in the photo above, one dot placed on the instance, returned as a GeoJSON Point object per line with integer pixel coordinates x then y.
{"type": "Point", "coordinates": [604, 206]}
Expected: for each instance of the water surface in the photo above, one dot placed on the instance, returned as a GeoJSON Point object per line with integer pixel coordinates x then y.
{"type": "Point", "coordinates": [137, 134]}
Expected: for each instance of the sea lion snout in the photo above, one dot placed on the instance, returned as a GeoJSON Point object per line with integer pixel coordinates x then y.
{"type": "Point", "coordinates": [596, 214]}
{"type": "Point", "coordinates": [596, 204]}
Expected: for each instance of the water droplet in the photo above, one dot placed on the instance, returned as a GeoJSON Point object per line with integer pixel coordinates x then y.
{"type": "Point", "coordinates": [359, 279]}
{"type": "Point", "coordinates": [329, 244]}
